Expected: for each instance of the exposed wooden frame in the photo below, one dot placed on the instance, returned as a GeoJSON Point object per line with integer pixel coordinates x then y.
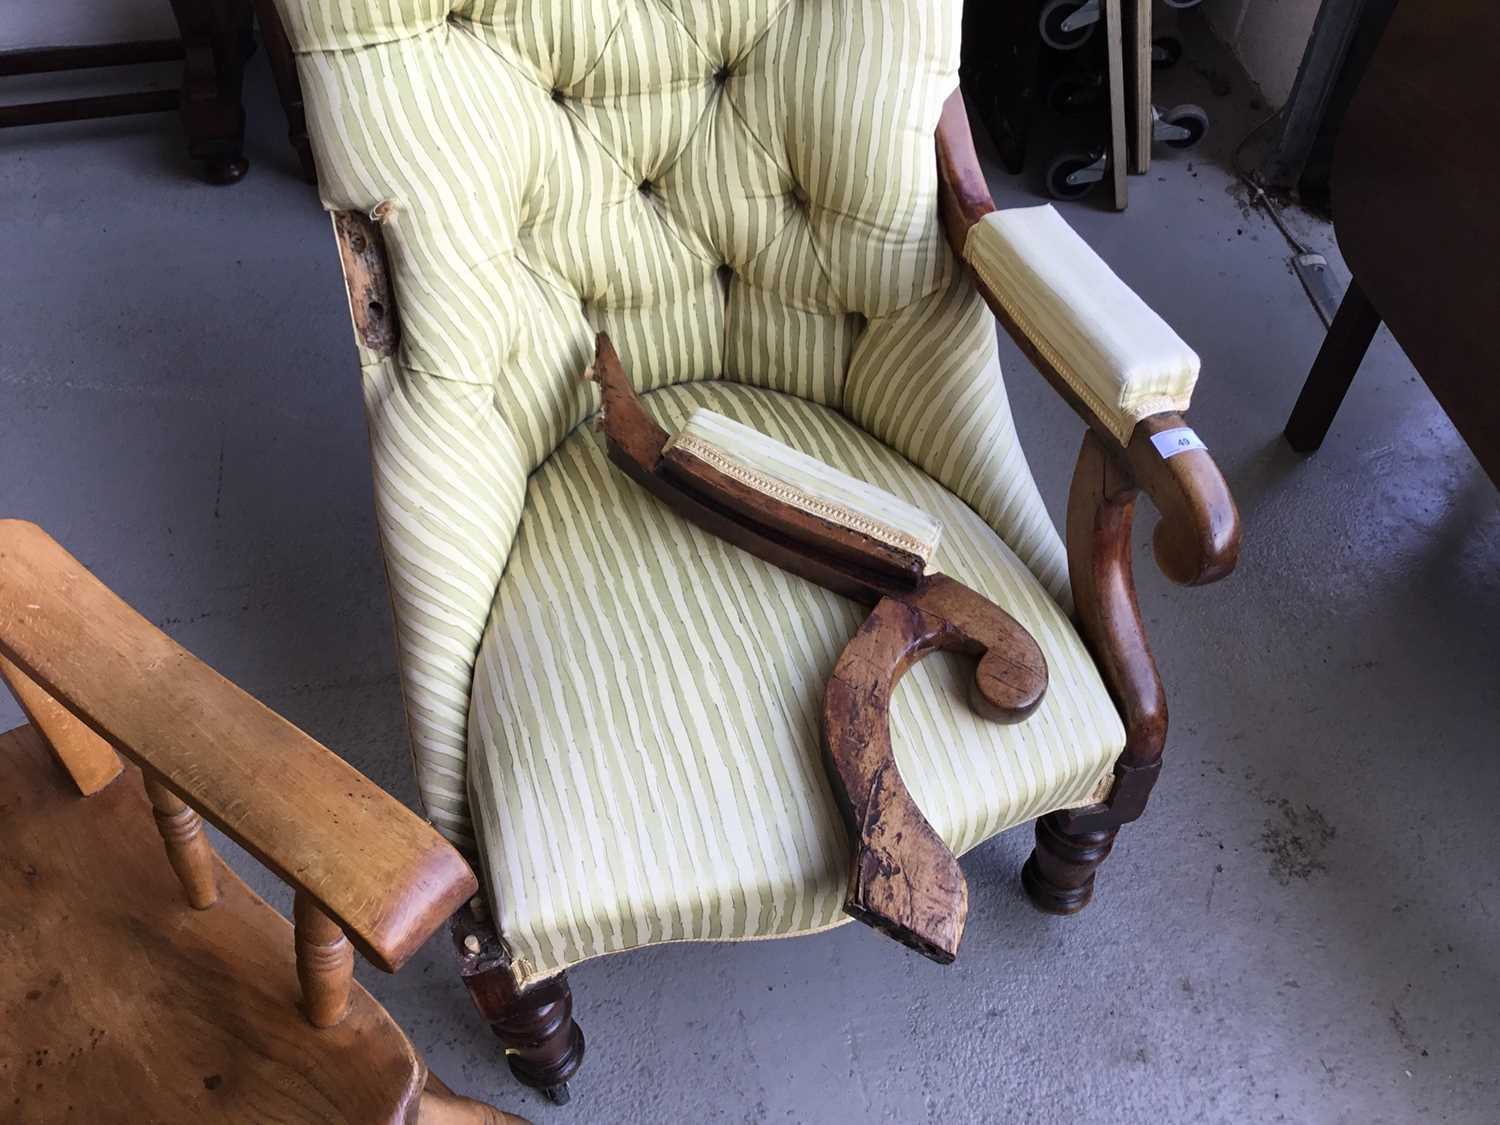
{"type": "Point", "coordinates": [1195, 542]}
{"type": "Point", "coordinates": [380, 872]}
{"type": "Point", "coordinates": [903, 879]}
{"type": "Point", "coordinates": [108, 684]}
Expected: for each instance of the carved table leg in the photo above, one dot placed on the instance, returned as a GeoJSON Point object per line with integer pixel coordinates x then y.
{"type": "Point", "coordinates": [543, 1045]}
{"type": "Point", "coordinates": [1059, 876]}
{"type": "Point", "coordinates": [188, 850]}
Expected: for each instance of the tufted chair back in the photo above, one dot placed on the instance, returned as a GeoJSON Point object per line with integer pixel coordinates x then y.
{"type": "Point", "coordinates": [733, 189]}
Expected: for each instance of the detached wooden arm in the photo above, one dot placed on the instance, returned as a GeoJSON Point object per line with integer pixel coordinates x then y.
{"type": "Point", "coordinates": [95, 675]}
{"type": "Point", "coordinates": [1198, 538]}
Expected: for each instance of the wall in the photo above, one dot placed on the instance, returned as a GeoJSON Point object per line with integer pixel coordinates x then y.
{"type": "Point", "coordinates": [1267, 36]}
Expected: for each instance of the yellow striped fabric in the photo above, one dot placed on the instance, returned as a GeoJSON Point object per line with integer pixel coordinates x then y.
{"type": "Point", "coordinates": [743, 194]}
{"type": "Point", "coordinates": [645, 761]}
{"type": "Point", "coordinates": [1117, 354]}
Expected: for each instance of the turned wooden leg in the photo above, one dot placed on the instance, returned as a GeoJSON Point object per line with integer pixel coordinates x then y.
{"type": "Point", "coordinates": [543, 1045]}
{"type": "Point", "coordinates": [325, 962]}
{"type": "Point", "coordinates": [1333, 371]}
{"type": "Point", "coordinates": [188, 850]}
{"type": "Point", "coordinates": [1059, 876]}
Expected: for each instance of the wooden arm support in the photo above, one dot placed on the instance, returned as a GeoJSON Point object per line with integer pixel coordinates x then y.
{"type": "Point", "coordinates": [379, 872]}
{"type": "Point", "coordinates": [903, 879]}
{"type": "Point", "coordinates": [1198, 538]}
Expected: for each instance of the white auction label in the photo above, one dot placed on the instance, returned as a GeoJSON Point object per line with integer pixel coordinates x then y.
{"type": "Point", "coordinates": [1169, 443]}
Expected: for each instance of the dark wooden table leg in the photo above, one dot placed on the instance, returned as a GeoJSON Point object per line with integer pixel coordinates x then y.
{"type": "Point", "coordinates": [288, 86]}
{"type": "Point", "coordinates": [1333, 371]}
{"type": "Point", "coordinates": [215, 41]}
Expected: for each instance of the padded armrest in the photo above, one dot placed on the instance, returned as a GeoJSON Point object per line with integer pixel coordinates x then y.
{"type": "Point", "coordinates": [1114, 352]}
{"type": "Point", "coordinates": [776, 469]}
{"type": "Point", "coordinates": [382, 873]}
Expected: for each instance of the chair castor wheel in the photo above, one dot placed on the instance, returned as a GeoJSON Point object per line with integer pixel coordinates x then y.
{"type": "Point", "coordinates": [557, 1095]}
{"type": "Point", "coordinates": [1182, 3]}
{"type": "Point", "coordinates": [1074, 174]}
{"type": "Point", "coordinates": [1182, 126]}
{"type": "Point", "coordinates": [222, 171]}
{"type": "Point", "coordinates": [1067, 25]}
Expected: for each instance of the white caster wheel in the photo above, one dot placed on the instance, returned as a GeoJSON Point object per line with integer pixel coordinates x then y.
{"type": "Point", "coordinates": [1067, 25]}
{"type": "Point", "coordinates": [1182, 3]}
{"type": "Point", "coordinates": [1074, 174]}
{"type": "Point", "coordinates": [1182, 126]}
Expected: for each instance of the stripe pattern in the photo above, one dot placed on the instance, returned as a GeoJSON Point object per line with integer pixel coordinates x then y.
{"type": "Point", "coordinates": [646, 719]}
{"type": "Point", "coordinates": [743, 194]}
{"type": "Point", "coordinates": [1111, 348]}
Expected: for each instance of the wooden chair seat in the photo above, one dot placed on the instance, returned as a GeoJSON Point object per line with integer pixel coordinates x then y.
{"type": "Point", "coordinates": [120, 1002]}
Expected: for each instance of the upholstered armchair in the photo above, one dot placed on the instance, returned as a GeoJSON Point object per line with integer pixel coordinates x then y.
{"type": "Point", "coordinates": [774, 209]}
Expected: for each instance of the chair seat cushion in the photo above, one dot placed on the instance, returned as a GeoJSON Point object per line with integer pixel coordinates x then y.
{"type": "Point", "coordinates": [644, 731]}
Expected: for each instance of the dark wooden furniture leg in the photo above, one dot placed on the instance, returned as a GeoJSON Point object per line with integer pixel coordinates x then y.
{"type": "Point", "coordinates": [1333, 371]}
{"type": "Point", "coordinates": [543, 1045]}
{"type": "Point", "coordinates": [1059, 876]}
{"type": "Point", "coordinates": [215, 41]}
{"type": "Point", "coordinates": [288, 86]}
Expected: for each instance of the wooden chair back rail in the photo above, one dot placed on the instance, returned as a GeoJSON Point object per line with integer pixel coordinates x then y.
{"type": "Point", "coordinates": [101, 679]}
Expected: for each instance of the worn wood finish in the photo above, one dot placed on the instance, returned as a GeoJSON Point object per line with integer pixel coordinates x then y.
{"type": "Point", "coordinates": [841, 546]}
{"type": "Point", "coordinates": [119, 1002]}
{"type": "Point", "coordinates": [904, 880]}
{"type": "Point", "coordinates": [1059, 875]}
{"type": "Point", "coordinates": [1196, 541]}
{"type": "Point", "coordinates": [188, 849]}
{"type": "Point", "coordinates": [385, 875]}
{"type": "Point", "coordinates": [1332, 374]}
{"type": "Point", "coordinates": [89, 760]}
{"type": "Point", "coordinates": [543, 1044]}
{"type": "Point", "coordinates": [325, 963]}
{"type": "Point", "coordinates": [965, 195]}
{"type": "Point", "coordinates": [1198, 538]}
{"type": "Point", "coordinates": [372, 298]}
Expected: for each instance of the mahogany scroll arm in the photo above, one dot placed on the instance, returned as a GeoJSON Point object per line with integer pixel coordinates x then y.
{"type": "Point", "coordinates": [1198, 538]}
{"type": "Point", "coordinates": [383, 875]}
{"type": "Point", "coordinates": [903, 878]}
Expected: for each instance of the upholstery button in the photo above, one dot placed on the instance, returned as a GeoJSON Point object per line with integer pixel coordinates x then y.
{"type": "Point", "coordinates": [646, 187]}
{"type": "Point", "coordinates": [557, 95]}
{"type": "Point", "coordinates": [721, 75]}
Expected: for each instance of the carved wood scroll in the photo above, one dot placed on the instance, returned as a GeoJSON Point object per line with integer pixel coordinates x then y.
{"type": "Point", "coordinates": [903, 879]}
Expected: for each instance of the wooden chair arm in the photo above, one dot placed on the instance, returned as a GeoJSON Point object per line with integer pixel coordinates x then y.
{"type": "Point", "coordinates": [1198, 538]}
{"type": "Point", "coordinates": [378, 870]}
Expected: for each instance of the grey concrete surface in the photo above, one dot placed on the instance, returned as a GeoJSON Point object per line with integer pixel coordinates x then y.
{"type": "Point", "coordinates": [1306, 925]}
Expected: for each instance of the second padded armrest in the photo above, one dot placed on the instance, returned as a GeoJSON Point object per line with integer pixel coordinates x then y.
{"type": "Point", "coordinates": [1116, 354]}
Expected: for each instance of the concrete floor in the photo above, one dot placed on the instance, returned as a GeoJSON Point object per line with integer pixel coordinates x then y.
{"type": "Point", "coordinates": [1305, 926]}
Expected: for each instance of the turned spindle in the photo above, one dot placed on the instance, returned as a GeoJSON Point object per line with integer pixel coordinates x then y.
{"type": "Point", "coordinates": [188, 849]}
{"type": "Point", "coordinates": [325, 962]}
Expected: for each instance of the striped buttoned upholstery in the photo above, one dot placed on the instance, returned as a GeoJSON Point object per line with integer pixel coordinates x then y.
{"type": "Point", "coordinates": [615, 713]}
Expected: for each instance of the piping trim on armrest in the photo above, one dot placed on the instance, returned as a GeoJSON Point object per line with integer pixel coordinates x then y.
{"type": "Point", "coordinates": [1004, 250]}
